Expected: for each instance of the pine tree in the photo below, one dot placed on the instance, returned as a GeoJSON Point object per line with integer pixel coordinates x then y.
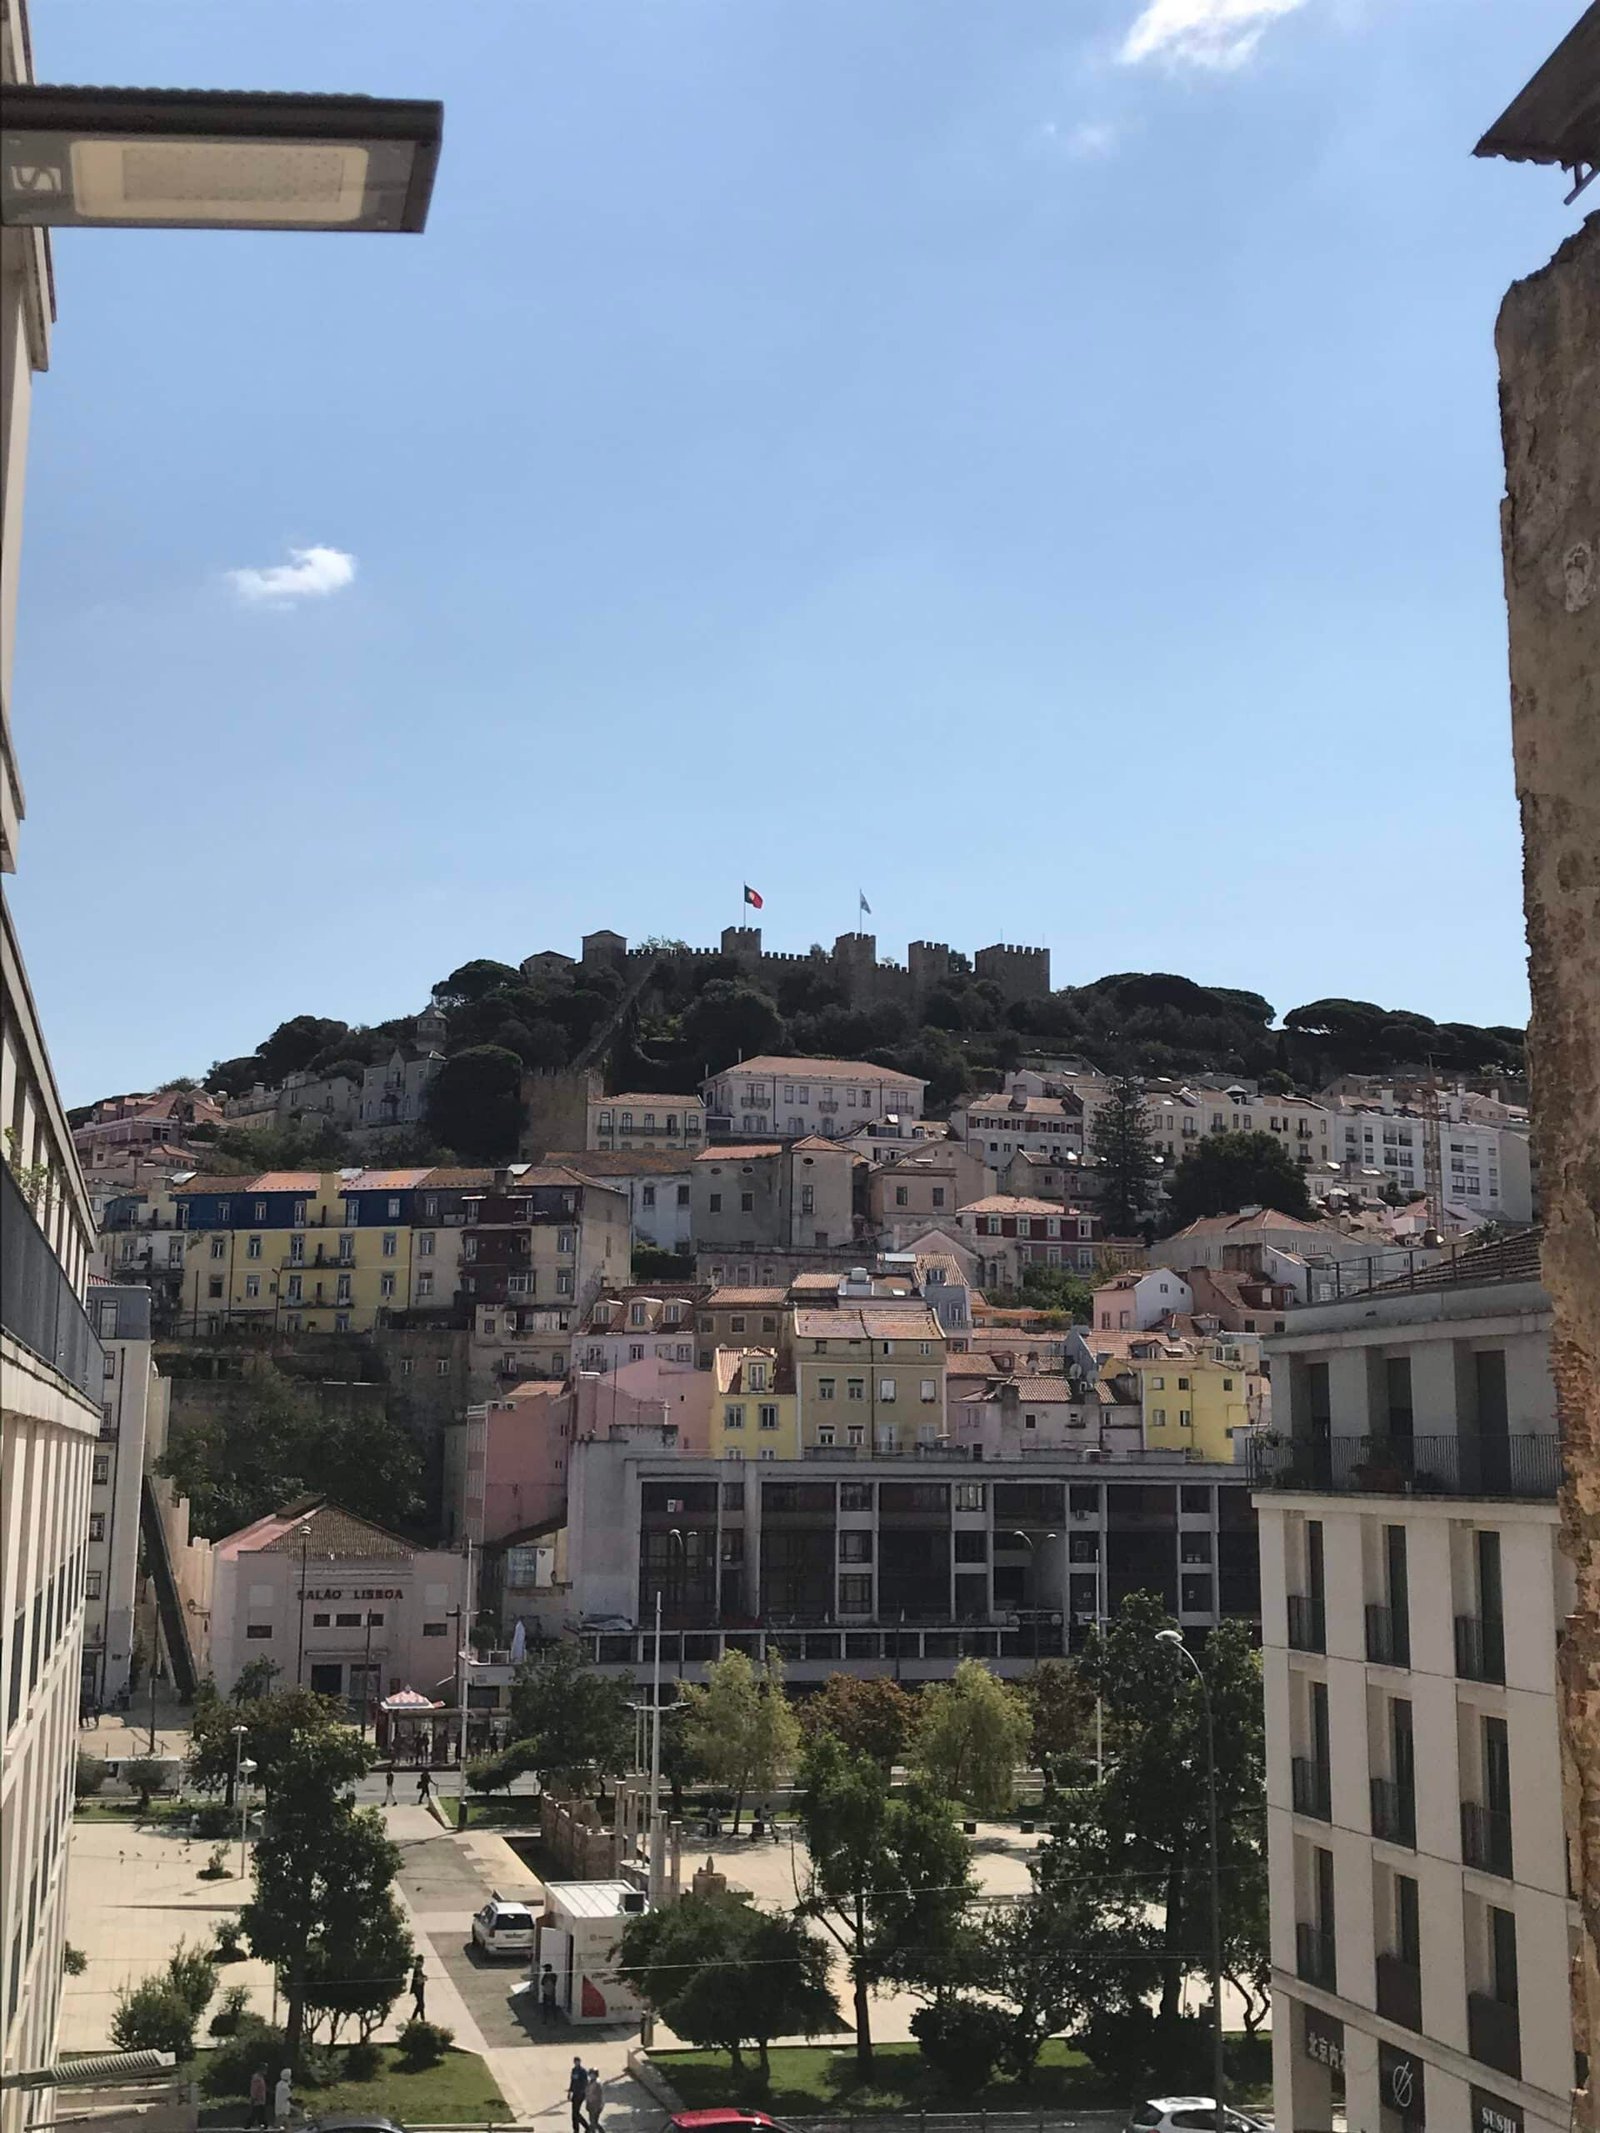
{"type": "Point", "coordinates": [1119, 1149]}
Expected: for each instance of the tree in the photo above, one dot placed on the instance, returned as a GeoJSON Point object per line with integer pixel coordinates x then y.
{"type": "Point", "coordinates": [1061, 1706]}
{"type": "Point", "coordinates": [322, 1872]}
{"type": "Point", "coordinates": [576, 1724]}
{"type": "Point", "coordinates": [742, 1726]}
{"type": "Point", "coordinates": [730, 1019]}
{"type": "Point", "coordinates": [153, 2016]}
{"type": "Point", "coordinates": [1227, 1171]}
{"type": "Point", "coordinates": [295, 1043]}
{"type": "Point", "coordinates": [972, 1732]}
{"type": "Point", "coordinates": [722, 1974]}
{"type": "Point", "coordinates": [473, 981]}
{"type": "Point", "coordinates": [681, 1762]}
{"type": "Point", "coordinates": [869, 1715]}
{"type": "Point", "coordinates": [1053, 1288]}
{"type": "Point", "coordinates": [475, 1103]}
{"type": "Point", "coordinates": [236, 1077]}
{"type": "Point", "coordinates": [1120, 1150]}
{"type": "Point", "coordinates": [961, 2040]}
{"type": "Point", "coordinates": [358, 1966]}
{"type": "Point", "coordinates": [889, 1878]}
{"type": "Point", "coordinates": [275, 1722]}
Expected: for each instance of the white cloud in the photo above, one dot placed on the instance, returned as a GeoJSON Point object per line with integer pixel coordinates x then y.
{"type": "Point", "coordinates": [310, 574]}
{"type": "Point", "coordinates": [1217, 34]}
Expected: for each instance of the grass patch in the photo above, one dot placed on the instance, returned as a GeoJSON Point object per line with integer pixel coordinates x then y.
{"type": "Point", "coordinates": [159, 1815]}
{"type": "Point", "coordinates": [812, 2080]}
{"type": "Point", "coordinates": [460, 2090]}
{"type": "Point", "coordinates": [519, 1811]}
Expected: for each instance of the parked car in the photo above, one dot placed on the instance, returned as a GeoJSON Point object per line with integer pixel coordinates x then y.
{"type": "Point", "coordinates": [503, 1927]}
{"type": "Point", "coordinates": [353, 2122]}
{"type": "Point", "coordinates": [1191, 2114]}
{"type": "Point", "coordinates": [730, 2118]}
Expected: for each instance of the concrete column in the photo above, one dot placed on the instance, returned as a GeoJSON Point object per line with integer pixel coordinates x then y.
{"type": "Point", "coordinates": [1302, 2090]}
{"type": "Point", "coordinates": [1546, 338]}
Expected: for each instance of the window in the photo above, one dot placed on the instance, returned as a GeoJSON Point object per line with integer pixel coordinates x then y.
{"type": "Point", "coordinates": [827, 1435]}
{"type": "Point", "coordinates": [299, 1214]}
{"type": "Point", "coordinates": [747, 1202]}
{"type": "Point", "coordinates": [91, 1584]}
{"type": "Point", "coordinates": [855, 1594]}
{"type": "Point", "coordinates": [855, 1547]}
{"type": "Point", "coordinates": [347, 1251]}
{"type": "Point", "coordinates": [972, 1547]}
{"type": "Point", "coordinates": [1183, 1384]}
{"type": "Point", "coordinates": [435, 1629]}
{"type": "Point", "coordinates": [391, 1243]}
{"type": "Point", "coordinates": [219, 1247]}
{"type": "Point", "coordinates": [425, 1244]}
{"type": "Point", "coordinates": [855, 1388]}
{"type": "Point", "coordinates": [516, 1284]}
{"type": "Point", "coordinates": [297, 1251]}
{"type": "Point", "coordinates": [341, 1321]}
{"type": "Point", "coordinates": [347, 1621]}
{"type": "Point", "coordinates": [566, 1242]}
{"type": "Point", "coordinates": [825, 1388]}
{"type": "Point", "coordinates": [971, 1495]}
{"type": "Point", "coordinates": [938, 1196]}
{"type": "Point", "coordinates": [714, 1202]}
{"type": "Point", "coordinates": [733, 1417]}
{"type": "Point", "coordinates": [442, 1367]}
{"type": "Point", "coordinates": [736, 1324]}
{"type": "Point", "coordinates": [252, 1248]}
{"type": "Point", "coordinates": [768, 1418]}
{"type": "Point", "coordinates": [808, 1199]}
{"type": "Point", "coordinates": [214, 1285]}
{"type": "Point", "coordinates": [258, 1629]}
{"type": "Point", "coordinates": [252, 1285]}
{"type": "Point", "coordinates": [424, 1284]}
{"type": "Point", "coordinates": [647, 1196]}
{"type": "Point", "coordinates": [296, 1288]}
{"type": "Point", "coordinates": [563, 1281]}
{"type": "Point", "coordinates": [1158, 1417]}
{"type": "Point", "coordinates": [902, 1198]}
{"type": "Point", "coordinates": [342, 1291]}
{"type": "Point", "coordinates": [683, 1195]}
{"type": "Point", "coordinates": [887, 1389]}
{"type": "Point", "coordinates": [102, 1467]}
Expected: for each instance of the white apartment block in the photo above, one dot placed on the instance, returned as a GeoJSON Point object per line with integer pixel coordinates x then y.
{"type": "Point", "coordinates": [1016, 1121]}
{"type": "Point", "coordinates": [1485, 1168]}
{"type": "Point", "coordinates": [51, 1371]}
{"type": "Point", "coordinates": [133, 1430]}
{"type": "Point", "coordinates": [785, 1099]}
{"type": "Point", "coordinates": [1412, 1596]}
{"type": "Point", "coordinates": [631, 1121]}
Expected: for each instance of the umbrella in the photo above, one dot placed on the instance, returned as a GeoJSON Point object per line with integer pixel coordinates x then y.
{"type": "Point", "coordinates": [519, 1643]}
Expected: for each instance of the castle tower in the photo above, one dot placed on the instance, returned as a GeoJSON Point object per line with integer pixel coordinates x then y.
{"type": "Point", "coordinates": [604, 951]}
{"type": "Point", "coordinates": [1020, 973]}
{"type": "Point", "coordinates": [929, 964]}
{"type": "Point", "coordinates": [855, 963]}
{"type": "Point", "coordinates": [743, 942]}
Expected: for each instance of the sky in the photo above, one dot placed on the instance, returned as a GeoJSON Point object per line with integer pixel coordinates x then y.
{"type": "Point", "coordinates": [1032, 462]}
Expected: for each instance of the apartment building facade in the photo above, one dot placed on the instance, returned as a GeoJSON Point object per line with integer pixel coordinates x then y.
{"type": "Point", "coordinates": [1413, 1595]}
{"type": "Point", "coordinates": [1010, 1233]}
{"type": "Point", "coordinates": [770, 1098]}
{"type": "Point", "coordinates": [666, 1123]}
{"type": "Point", "coordinates": [773, 1195]}
{"type": "Point", "coordinates": [869, 1377]}
{"type": "Point", "coordinates": [133, 1420]}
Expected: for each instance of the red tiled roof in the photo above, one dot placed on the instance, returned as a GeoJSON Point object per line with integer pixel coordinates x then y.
{"type": "Point", "coordinates": [818, 1070]}
{"type": "Point", "coordinates": [737, 1151]}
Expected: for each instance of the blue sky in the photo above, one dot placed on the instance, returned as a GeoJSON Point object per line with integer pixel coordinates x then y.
{"type": "Point", "coordinates": [1033, 460]}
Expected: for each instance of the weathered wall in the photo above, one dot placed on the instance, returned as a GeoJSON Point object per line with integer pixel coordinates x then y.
{"type": "Point", "coordinates": [1548, 338]}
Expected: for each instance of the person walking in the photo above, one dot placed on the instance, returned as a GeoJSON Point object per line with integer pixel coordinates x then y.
{"type": "Point", "coordinates": [258, 2097]}
{"type": "Point", "coordinates": [547, 1993]}
{"type": "Point", "coordinates": [283, 2098]}
{"type": "Point", "coordinates": [388, 1785]}
{"type": "Point", "coordinates": [577, 2093]}
{"type": "Point", "coordinates": [594, 2097]}
{"type": "Point", "coordinates": [424, 1785]}
{"type": "Point", "coordinates": [419, 1992]}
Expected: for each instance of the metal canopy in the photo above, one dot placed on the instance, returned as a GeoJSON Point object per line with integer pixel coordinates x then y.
{"type": "Point", "coordinates": [1556, 117]}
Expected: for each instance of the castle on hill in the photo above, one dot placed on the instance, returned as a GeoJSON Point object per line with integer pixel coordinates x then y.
{"type": "Point", "coordinates": [1020, 973]}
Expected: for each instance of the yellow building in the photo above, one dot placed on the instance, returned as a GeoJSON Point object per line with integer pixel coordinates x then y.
{"type": "Point", "coordinates": [754, 1412]}
{"type": "Point", "coordinates": [1196, 1400]}
{"type": "Point", "coordinates": [870, 1379]}
{"type": "Point", "coordinates": [300, 1250]}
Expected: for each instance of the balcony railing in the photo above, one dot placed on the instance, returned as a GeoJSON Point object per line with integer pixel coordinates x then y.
{"type": "Point", "coordinates": [1394, 1813]}
{"type": "Point", "coordinates": [1524, 1465]}
{"type": "Point", "coordinates": [38, 1305]}
{"type": "Point", "coordinates": [1310, 1788]}
{"type": "Point", "coordinates": [1314, 1956]}
{"type": "Point", "coordinates": [1388, 1637]}
{"type": "Point", "coordinates": [1307, 1627]}
{"type": "Point", "coordinates": [1486, 1839]}
{"type": "Point", "coordinates": [1493, 2034]}
{"type": "Point", "coordinates": [1480, 1649]}
{"type": "Point", "coordinates": [1400, 1991]}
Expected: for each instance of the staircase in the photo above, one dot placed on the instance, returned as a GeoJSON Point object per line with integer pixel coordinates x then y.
{"type": "Point", "coordinates": [169, 1602]}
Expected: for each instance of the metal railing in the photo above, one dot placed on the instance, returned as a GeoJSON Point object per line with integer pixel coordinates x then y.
{"type": "Point", "coordinates": [38, 1305]}
{"type": "Point", "coordinates": [1524, 1465]}
{"type": "Point", "coordinates": [1494, 2034]}
{"type": "Point", "coordinates": [1486, 1839]}
{"type": "Point", "coordinates": [1480, 1649]}
{"type": "Point", "coordinates": [1314, 1955]}
{"type": "Point", "coordinates": [1310, 1788]}
{"type": "Point", "coordinates": [1394, 1813]}
{"type": "Point", "coordinates": [1388, 1637]}
{"type": "Point", "coordinates": [1307, 1627]}
{"type": "Point", "coordinates": [1399, 1992]}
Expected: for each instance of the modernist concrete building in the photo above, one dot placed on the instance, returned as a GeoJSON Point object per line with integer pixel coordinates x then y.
{"type": "Point", "coordinates": [133, 1419]}
{"type": "Point", "coordinates": [1413, 1597]}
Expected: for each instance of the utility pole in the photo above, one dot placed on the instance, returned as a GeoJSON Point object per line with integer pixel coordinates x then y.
{"type": "Point", "coordinates": [1174, 1638]}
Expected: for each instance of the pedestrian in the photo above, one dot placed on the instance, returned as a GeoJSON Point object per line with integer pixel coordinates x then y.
{"type": "Point", "coordinates": [594, 2097]}
{"type": "Point", "coordinates": [547, 1993]}
{"type": "Point", "coordinates": [258, 2097]}
{"type": "Point", "coordinates": [283, 2098]}
{"type": "Point", "coordinates": [424, 1786]}
{"type": "Point", "coordinates": [419, 1992]}
{"type": "Point", "coordinates": [577, 2093]}
{"type": "Point", "coordinates": [388, 1785]}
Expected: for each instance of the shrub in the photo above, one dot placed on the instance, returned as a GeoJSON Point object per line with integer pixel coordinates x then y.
{"type": "Point", "coordinates": [1136, 2047]}
{"type": "Point", "coordinates": [216, 1867]}
{"type": "Point", "coordinates": [193, 1977]}
{"type": "Point", "coordinates": [147, 1775]}
{"type": "Point", "coordinates": [213, 1818]}
{"type": "Point", "coordinates": [962, 2040]}
{"type": "Point", "coordinates": [362, 2062]}
{"type": "Point", "coordinates": [423, 2044]}
{"type": "Point", "coordinates": [90, 1776]}
{"type": "Point", "coordinates": [153, 2016]}
{"type": "Point", "coordinates": [73, 1960]}
{"type": "Point", "coordinates": [227, 1938]}
{"type": "Point", "coordinates": [254, 2043]}
{"type": "Point", "coordinates": [496, 1773]}
{"type": "Point", "coordinates": [225, 2022]}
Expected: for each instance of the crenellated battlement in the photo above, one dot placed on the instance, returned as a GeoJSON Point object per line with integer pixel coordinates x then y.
{"type": "Point", "coordinates": [1021, 972]}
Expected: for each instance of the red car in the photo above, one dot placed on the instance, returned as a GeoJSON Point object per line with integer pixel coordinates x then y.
{"type": "Point", "coordinates": [732, 2118]}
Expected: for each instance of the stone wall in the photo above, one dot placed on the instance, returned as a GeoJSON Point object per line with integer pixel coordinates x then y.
{"type": "Point", "coordinates": [1548, 341]}
{"type": "Point", "coordinates": [1021, 973]}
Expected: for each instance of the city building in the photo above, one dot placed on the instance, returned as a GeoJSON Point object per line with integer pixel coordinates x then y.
{"type": "Point", "coordinates": [869, 1376]}
{"type": "Point", "coordinates": [657, 1182]}
{"type": "Point", "coordinates": [1487, 1168]}
{"type": "Point", "coordinates": [754, 1412]}
{"type": "Point", "coordinates": [394, 1092]}
{"type": "Point", "coordinates": [763, 1195]}
{"type": "Point", "coordinates": [543, 1234]}
{"type": "Point", "coordinates": [1135, 1301]}
{"type": "Point", "coordinates": [918, 1185]}
{"type": "Point", "coordinates": [1206, 1400]}
{"type": "Point", "coordinates": [767, 1098]}
{"type": "Point", "coordinates": [1414, 1598]}
{"type": "Point", "coordinates": [338, 1605]}
{"type": "Point", "coordinates": [1010, 1234]}
{"type": "Point", "coordinates": [51, 1369]}
{"type": "Point", "coordinates": [656, 1122]}
{"type": "Point", "coordinates": [133, 1431]}
{"type": "Point", "coordinates": [1018, 1121]}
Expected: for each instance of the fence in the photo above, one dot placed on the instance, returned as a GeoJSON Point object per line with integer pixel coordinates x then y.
{"type": "Point", "coordinates": [1524, 1465]}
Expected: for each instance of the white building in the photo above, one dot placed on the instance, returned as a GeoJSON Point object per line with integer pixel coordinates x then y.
{"type": "Point", "coordinates": [1487, 1168]}
{"type": "Point", "coordinates": [634, 1121]}
{"type": "Point", "coordinates": [657, 1182]}
{"type": "Point", "coordinates": [338, 1605]}
{"type": "Point", "coordinates": [1412, 1597]}
{"type": "Point", "coordinates": [788, 1098]}
{"type": "Point", "coordinates": [1017, 1121]}
{"type": "Point", "coordinates": [133, 1417]}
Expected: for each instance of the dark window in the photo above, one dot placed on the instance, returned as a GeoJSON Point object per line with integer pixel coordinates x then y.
{"type": "Point", "coordinates": [258, 1629]}
{"type": "Point", "coordinates": [1194, 1499]}
{"type": "Point", "coordinates": [972, 1547]}
{"type": "Point", "coordinates": [347, 1621]}
{"type": "Point", "coordinates": [855, 1547]}
{"type": "Point", "coordinates": [319, 1621]}
{"type": "Point", "coordinates": [855, 1496]}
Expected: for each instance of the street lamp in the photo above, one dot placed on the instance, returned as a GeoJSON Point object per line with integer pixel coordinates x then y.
{"type": "Point", "coordinates": [1174, 1638]}
{"type": "Point", "coordinates": [1026, 1539]}
{"type": "Point", "coordinates": [243, 1769]}
{"type": "Point", "coordinates": [215, 159]}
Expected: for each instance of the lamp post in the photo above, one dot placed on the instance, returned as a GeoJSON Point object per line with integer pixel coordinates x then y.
{"type": "Point", "coordinates": [657, 1846]}
{"type": "Point", "coordinates": [1174, 1638]}
{"type": "Point", "coordinates": [243, 1769]}
{"type": "Point", "coordinates": [300, 1647]}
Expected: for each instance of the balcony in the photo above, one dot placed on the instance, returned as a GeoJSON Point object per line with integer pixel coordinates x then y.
{"type": "Point", "coordinates": [38, 1305]}
{"type": "Point", "coordinates": [1307, 1627]}
{"type": "Point", "coordinates": [1310, 1789]}
{"type": "Point", "coordinates": [1525, 1466]}
{"type": "Point", "coordinates": [1388, 1637]}
{"type": "Point", "coordinates": [1480, 1649]}
{"type": "Point", "coordinates": [1493, 2035]}
{"type": "Point", "coordinates": [1400, 1991]}
{"type": "Point", "coordinates": [1394, 1813]}
{"type": "Point", "coordinates": [1313, 1955]}
{"type": "Point", "coordinates": [1486, 1839]}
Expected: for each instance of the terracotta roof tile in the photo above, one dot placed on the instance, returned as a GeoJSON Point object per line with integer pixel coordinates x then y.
{"type": "Point", "coordinates": [737, 1151]}
{"type": "Point", "coordinates": [818, 1070]}
{"type": "Point", "coordinates": [746, 1299]}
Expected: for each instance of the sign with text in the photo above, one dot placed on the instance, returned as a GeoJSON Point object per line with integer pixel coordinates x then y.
{"type": "Point", "coordinates": [1400, 2083]}
{"type": "Point", "coordinates": [360, 1592]}
{"type": "Point", "coordinates": [1490, 2115]}
{"type": "Point", "coordinates": [1324, 2035]}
